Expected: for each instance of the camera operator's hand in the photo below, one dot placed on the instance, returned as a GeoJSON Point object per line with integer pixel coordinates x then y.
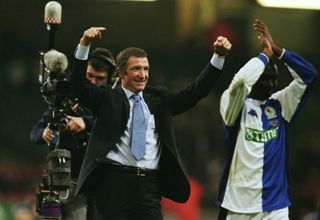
{"type": "Point", "coordinates": [90, 35]}
{"type": "Point", "coordinates": [47, 135]}
{"type": "Point", "coordinates": [75, 124]}
{"type": "Point", "coordinates": [75, 107]}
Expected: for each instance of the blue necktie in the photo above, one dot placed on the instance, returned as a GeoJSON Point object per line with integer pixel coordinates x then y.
{"type": "Point", "coordinates": [138, 129]}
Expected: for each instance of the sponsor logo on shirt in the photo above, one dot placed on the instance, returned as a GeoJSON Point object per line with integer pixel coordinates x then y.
{"type": "Point", "coordinates": [261, 136]}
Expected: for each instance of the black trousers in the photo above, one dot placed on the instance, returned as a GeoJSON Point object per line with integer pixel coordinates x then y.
{"type": "Point", "coordinates": [126, 193]}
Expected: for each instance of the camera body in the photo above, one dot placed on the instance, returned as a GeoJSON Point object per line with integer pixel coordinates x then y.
{"type": "Point", "coordinates": [59, 169]}
{"type": "Point", "coordinates": [57, 179]}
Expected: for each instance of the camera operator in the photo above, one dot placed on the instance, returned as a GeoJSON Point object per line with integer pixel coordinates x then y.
{"type": "Point", "coordinates": [75, 135]}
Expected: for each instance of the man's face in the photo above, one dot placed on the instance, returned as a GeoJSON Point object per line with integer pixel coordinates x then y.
{"type": "Point", "coordinates": [96, 77]}
{"type": "Point", "coordinates": [136, 75]}
{"type": "Point", "coordinates": [266, 84]}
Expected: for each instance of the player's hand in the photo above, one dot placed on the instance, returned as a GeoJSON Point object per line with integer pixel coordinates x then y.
{"type": "Point", "coordinates": [90, 35]}
{"type": "Point", "coordinates": [222, 46]}
{"type": "Point", "coordinates": [262, 28]}
{"type": "Point", "coordinates": [75, 124]}
{"type": "Point", "coordinates": [263, 31]}
{"type": "Point", "coordinates": [266, 46]}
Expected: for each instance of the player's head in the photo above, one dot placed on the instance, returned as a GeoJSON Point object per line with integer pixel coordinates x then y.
{"type": "Point", "coordinates": [101, 66]}
{"type": "Point", "coordinates": [267, 83]}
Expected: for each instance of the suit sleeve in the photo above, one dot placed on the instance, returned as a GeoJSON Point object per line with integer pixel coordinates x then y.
{"type": "Point", "coordinates": [293, 96]}
{"type": "Point", "coordinates": [232, 99]}
{"type": "Point", "coordinates": [82, 88]}
{"type": "Point", "coordinates": [88, 120]}
{"type": "Point", "coordinates": [184, 99]}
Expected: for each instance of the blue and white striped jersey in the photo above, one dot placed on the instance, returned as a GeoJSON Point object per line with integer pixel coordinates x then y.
{"type": "Point", "coordinates": [255, 176]}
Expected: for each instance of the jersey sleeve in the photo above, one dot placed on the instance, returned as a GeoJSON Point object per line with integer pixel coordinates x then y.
{"type": "Point", "coordinates": [233, 98]}
{"type": "Point", "coordinates": [292, 97]}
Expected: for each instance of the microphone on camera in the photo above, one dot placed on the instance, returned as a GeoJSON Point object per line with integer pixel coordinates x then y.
{"type": "Point", "coordinates": [55, 83]}
{"type": "Point", "coordinates": [52, 17]}
{"type": "Point", "coordinates": [55, 61]}
{"type": "Point", "coordinates": [52, 13]}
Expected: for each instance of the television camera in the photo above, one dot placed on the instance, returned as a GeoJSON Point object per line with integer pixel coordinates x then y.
{"type": "Point", "coordinates": [55, 89]}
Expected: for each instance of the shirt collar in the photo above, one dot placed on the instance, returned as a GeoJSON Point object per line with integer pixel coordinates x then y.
{"type": "Point", "coordinates": [129, 93]}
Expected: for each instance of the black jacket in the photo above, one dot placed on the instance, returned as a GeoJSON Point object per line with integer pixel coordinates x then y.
{"type": "Point", "coordinates": [111, 108]}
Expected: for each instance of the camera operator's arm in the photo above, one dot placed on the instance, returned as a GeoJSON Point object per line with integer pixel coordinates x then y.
{"type": "Point", "coordinates": [38, 129]}
{"type": "Point", "coordinates": [75, 124]}
{"type": "Point", "coordinates": [88, 121]}
{"type": "Point", "coordinates": [78, 124]}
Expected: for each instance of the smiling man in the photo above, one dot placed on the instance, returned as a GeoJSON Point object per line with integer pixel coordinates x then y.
{"type": "Point", "coordinates": [135, 74]}
{"type": "Point", "coordinates": [132, 159]}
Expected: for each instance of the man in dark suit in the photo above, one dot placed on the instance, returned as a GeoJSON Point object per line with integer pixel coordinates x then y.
{"type": "Point", "coordinates": [126, 178]}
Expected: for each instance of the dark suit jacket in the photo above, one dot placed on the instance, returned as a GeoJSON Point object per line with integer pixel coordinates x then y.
{"type": "Point", "coordinates": [111, 108]}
